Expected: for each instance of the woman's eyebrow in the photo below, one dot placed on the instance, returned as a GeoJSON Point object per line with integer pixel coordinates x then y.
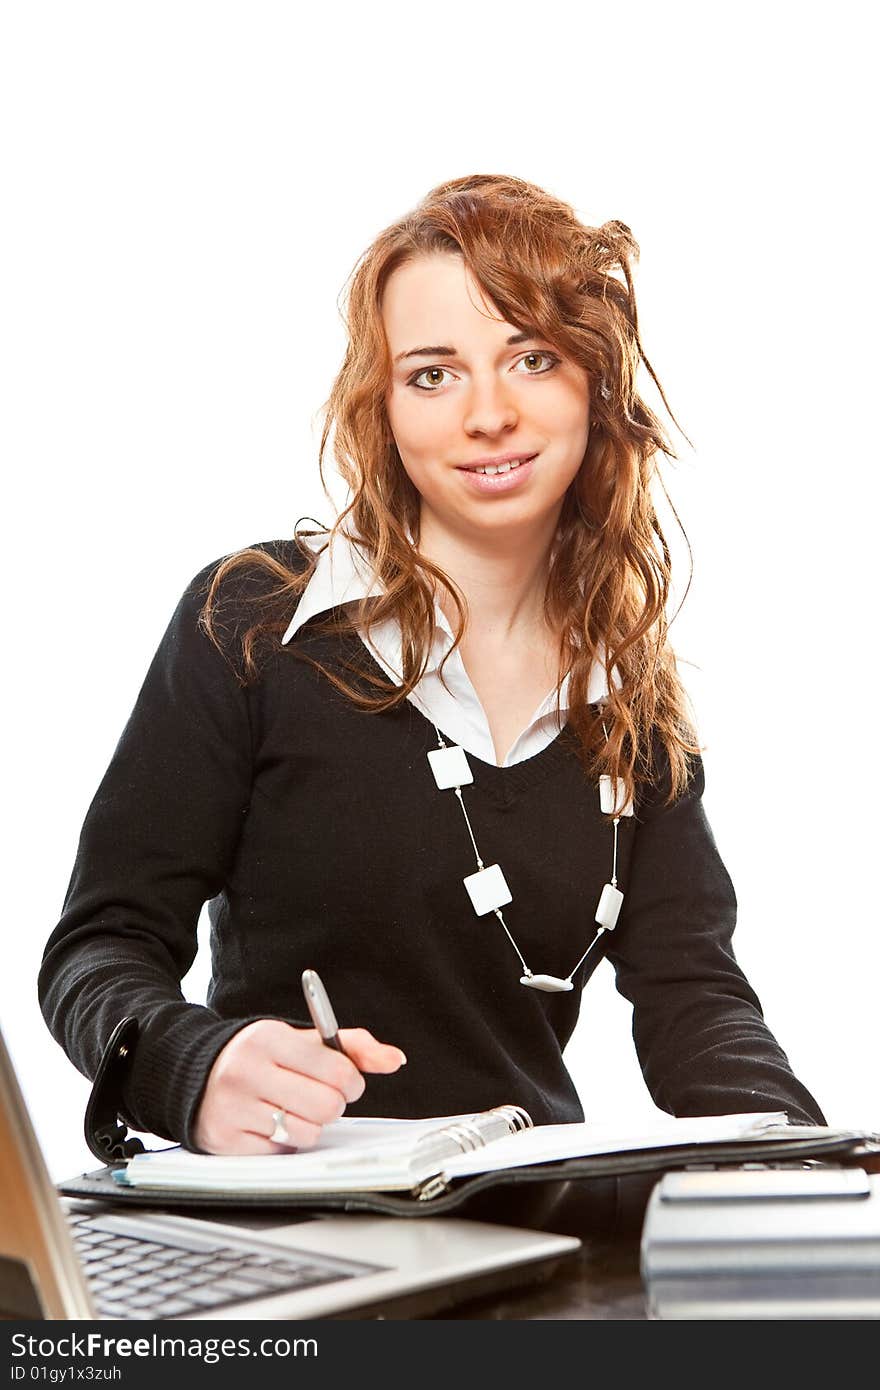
{"type": "Point", "coordinates": [453, 352]}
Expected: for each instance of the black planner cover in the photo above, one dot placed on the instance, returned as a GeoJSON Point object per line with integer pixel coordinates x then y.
{"type": "Point", "coordinates": [838, 1148]}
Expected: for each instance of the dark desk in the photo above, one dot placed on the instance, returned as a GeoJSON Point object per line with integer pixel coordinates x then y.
{"type": "Point", "coordinates": [602, 1281]}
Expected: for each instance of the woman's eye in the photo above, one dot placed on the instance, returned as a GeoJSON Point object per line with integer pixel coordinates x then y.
{"type": "Point", "coordinates": [428, 371]}
{"type": "Point", "coordinates": [546, 356]}
{"type": "Point", "coordinates": [433, 373]}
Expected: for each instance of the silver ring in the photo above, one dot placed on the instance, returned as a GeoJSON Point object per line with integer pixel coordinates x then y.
{"type": "Point", "coordinates": [279, 1134]}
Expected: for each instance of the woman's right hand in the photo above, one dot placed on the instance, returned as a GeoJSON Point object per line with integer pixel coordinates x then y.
{"type": "Point", "coordinates": [269, 1066]}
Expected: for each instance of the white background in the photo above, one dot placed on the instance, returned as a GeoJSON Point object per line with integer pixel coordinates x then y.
{"type": "Point", "coordinates": [186, 189]}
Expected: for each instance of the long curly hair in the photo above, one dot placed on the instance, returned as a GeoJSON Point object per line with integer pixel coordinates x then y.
{"type": "Point", "coordinates": [608, 581]}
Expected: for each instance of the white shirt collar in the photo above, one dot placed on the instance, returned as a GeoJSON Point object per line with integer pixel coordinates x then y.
{"type": "Point", "coordinates": [344, 574]}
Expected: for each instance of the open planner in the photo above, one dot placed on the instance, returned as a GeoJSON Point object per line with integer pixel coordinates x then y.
{"type": "Point", "coordinates": [412, 1166]}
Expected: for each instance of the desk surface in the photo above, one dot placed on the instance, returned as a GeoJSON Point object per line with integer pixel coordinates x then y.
{"type": "Point", "coordinates": [602, 1281]}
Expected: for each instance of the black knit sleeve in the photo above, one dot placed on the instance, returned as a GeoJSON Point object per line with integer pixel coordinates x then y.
{"type": "Point", "coordinates": [698, 1027]}
{"type": "Point", "coordinates": [155, 846]}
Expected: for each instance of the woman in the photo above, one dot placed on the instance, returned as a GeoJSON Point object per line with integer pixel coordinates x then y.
{"type": "Point", "coordinates": [496, 586]}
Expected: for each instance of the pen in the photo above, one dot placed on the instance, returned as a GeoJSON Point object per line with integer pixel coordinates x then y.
{"type": "Point", "coordinates": [321, 1010]}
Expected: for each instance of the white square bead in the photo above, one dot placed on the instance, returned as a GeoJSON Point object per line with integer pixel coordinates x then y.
{"type": "Point", "coordinates": [608, 910]}
{"type": "Point", "coordinates": [450, 767]}
{"type": "Point", "coordinates": [611, 794]}
{"type": "Point", "coordinates": [488, 889]}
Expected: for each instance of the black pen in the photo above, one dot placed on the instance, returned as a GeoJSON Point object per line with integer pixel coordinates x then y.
{"type": "Point", "coordinates": [321, 1010]}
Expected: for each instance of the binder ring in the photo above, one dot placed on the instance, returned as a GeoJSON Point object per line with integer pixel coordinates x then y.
{"type": "Point", "coordinates": [461, 1136]}
{"type": "Point", "coordinates": [467, 1135]}
{"type": "Point", "coordinates": [516, 1117]}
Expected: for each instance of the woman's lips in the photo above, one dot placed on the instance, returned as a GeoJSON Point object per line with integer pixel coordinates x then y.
{"type": "Point", "coordinates": [499, 482]}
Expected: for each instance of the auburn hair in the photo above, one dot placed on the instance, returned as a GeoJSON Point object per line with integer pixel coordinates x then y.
{"type": "Point", "coordinates": [609, 574]}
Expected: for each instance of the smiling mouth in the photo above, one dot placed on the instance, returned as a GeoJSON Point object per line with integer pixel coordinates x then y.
{"type": "Point", "coordinates": [492, 468]}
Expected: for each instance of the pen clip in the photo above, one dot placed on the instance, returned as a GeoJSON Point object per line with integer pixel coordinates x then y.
{"type": "Point", "coordinates": [319, 1006]}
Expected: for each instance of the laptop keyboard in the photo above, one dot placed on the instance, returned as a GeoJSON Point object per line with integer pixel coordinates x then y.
{"type": "Point", "coordinates": [132, 1275]}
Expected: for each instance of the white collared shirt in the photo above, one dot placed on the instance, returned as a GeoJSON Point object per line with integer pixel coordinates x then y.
{"type": "Point", "coordinates": [344, 575]}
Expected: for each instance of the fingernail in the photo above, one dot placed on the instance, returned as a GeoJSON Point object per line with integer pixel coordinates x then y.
{"type": "Point", "coordinates": [403, 1059]}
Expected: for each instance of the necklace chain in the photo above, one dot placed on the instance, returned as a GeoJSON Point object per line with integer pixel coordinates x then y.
{"type": "Point", "coordinates": [609, 903]}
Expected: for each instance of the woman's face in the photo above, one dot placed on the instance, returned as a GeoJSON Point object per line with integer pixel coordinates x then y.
{"type": "Point", "coordinates": [462, 393]}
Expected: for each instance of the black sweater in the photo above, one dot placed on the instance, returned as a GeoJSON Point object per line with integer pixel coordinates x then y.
{"type": "Point", "coordinates": [320, 838]}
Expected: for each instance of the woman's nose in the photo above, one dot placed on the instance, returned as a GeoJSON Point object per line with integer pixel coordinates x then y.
{"type": "Point", "coordinates": [489, 406]}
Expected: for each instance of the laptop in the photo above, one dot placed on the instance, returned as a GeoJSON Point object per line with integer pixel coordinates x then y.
{"type": "Point", "coordinates": [66, 1258]}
